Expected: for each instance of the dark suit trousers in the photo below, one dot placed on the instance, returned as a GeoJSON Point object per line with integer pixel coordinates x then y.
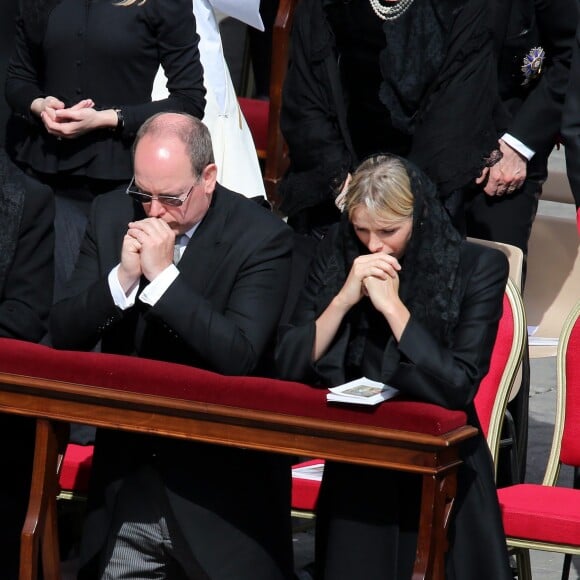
{"type": "Point", "coordinates": [506, 219]}
{"type": "Point", "coordinates": [178, 509]}
{"type": "Point", "coordinates": [17, 449]}
{"type": "Point", "coordinates": [73, 198]}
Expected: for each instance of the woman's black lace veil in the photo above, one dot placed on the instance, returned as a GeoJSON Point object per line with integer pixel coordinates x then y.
{"type": "Point", "coordinates": [430, 266]}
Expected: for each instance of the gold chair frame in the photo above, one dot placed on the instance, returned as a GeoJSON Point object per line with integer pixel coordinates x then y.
{"type": "Point", "coordinates": [511, 370]}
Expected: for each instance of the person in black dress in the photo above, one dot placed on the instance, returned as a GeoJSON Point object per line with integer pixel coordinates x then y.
{"type": "Point", "coordinates": [395, 294]}
{"type": "Point", "coordinates": [80, 82]}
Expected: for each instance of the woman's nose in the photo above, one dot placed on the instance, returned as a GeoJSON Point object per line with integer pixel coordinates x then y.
{"type": "Point", "coordinates": [375, 243]}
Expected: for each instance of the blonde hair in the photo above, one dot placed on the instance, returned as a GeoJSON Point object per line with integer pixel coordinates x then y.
{"type": "Point", "coordinates": [382, 185]}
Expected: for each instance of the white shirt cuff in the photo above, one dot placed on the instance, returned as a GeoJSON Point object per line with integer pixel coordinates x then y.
{"type": "Point", "coordinates": [158, 286]}
{"type": "Point", "coordinates": [119, 297]}
{"type": "Point", "coordinates": [518, 146]}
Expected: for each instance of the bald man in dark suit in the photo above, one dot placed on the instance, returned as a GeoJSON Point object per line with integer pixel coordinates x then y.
{"type": "Point", "coordinates": [182, 270]}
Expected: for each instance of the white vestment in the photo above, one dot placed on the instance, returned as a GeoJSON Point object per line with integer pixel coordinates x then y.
{"type": "Point", "coordinates": [234, 149]}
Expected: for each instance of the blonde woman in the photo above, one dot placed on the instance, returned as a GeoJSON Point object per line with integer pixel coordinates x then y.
{"type": "Point", "coordinates": [395, 294]}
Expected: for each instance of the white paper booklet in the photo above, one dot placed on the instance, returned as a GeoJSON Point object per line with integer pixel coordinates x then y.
{"type": "Point", "coordinates": [361, 391]}
{"type": "Point", "coordinates": [313, 472]}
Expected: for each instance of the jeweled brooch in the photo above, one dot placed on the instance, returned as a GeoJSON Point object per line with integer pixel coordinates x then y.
{"type": "Point", "coordinates": [533, 62]}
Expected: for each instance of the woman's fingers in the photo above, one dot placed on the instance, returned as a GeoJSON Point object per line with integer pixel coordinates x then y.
{"type": "Point", "coordinates": [379, 265]}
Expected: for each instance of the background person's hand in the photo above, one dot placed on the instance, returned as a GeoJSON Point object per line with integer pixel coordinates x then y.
{"type": "Point", "coordinates": [46, 104]}
{"type": "Point", "coordinates": [339, 201]}
{"type": "Point", "coordinates": [507, 175]}
{"type": "Point", "coordinates": [51, 116]}
{"type": "Point", "coordinates": [73, 122]}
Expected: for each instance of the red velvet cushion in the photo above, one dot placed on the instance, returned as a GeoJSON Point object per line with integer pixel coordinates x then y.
{"type": "Point", "coordinates": [257, 113]}
{"type": "Point", "coordinates": [543, 513]}
{"type": "Point", "coordinates": [570, 451]}
{"type": "Point", "coordinates": [152, 377]}
{"type": "Point", "coordinates": [76, 468]}
{"type": "Point", "coordinates": [305, 491]}
{"type": "Point", "coordinates": [487, 391]}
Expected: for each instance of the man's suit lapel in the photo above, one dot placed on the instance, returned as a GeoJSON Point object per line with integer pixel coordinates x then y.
{"type": "Point", "coordinates": [209, 244]}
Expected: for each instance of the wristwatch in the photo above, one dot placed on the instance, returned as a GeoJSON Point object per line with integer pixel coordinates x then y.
{"type": "Point", "coordinates": [120, 122]}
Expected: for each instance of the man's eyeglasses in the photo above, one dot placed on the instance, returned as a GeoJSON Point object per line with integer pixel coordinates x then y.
{"type": "Point", "coordinates": [143, 197]}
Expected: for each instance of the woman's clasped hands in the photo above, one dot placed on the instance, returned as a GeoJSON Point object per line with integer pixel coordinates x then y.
{"type": "Point", "coordinates": [71, 122]}
{"type": "Point", "coordinates": [373, 275]}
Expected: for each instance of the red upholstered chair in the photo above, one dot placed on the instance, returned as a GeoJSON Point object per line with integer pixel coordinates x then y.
{"type": "Point", "coordinates": [306, 478]}
{"type": "Point", "coordinates": [496, 387]}
{"type": "Point", "coordinates": [75, 471]}
{"type": "Point", "coordinates": [263, 117]}
{"type": "Point", "coordinates": [490, 402]}
{"type": "Point", "coordinates": [257, 112]}
{"type": "Point", "coordinates": [545, 516]}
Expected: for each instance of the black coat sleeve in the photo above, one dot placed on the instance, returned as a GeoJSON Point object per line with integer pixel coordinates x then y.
{"type": "Point", "coordinates": [296, 339]}
{"type": "Point", "coordinates": [79, 321]}
{"type": "Point", "coordinates": [27, 294]}
{"type": "Point", "coordinates": [446, 376]}
{"type": "Point", "coordinates": [173, 23]}
{"type": "Point", "coordinates": [428, 371]}
{"type": "Point", "coordinates": [537, 121]}
{"type": "Point", "coordinates": [23, 83]}
{"type": "Point", "coordinates": [320, 156]}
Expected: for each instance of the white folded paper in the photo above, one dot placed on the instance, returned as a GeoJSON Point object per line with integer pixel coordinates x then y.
{"type": "Point", "coordinates": [361, 391]}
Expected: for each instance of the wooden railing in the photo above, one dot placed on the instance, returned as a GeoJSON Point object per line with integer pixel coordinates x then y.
{"type": "Point", "coordinates": [172, 400]}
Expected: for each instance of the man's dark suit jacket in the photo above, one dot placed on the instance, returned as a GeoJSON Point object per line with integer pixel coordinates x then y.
{"type": "Point", "coordinates": [530, 112]}
{"type": "Point", "coordinates": [534, 110]}
{"type": "Point", "coordinates": [219, 314]}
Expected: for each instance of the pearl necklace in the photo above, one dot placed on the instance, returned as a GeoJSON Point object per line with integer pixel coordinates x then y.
{"type": "Point", "coordinates": [390, 12]}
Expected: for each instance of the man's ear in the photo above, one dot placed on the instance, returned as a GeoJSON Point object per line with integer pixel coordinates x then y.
{"type": "Point", "coordinates": [209, 176]}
